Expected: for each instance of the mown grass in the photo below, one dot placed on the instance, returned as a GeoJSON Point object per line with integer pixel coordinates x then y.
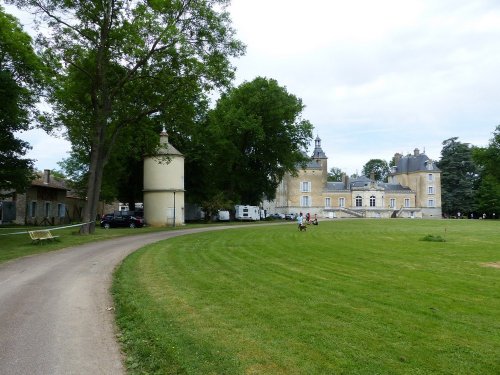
{"type": "Point", "coordinates": [345, 297]}
{"type": "Point", "coordinates": [18, 245]}
{"type": "Point", "coordinates": [15, 242]}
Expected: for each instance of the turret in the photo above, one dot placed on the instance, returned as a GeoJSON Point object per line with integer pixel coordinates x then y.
{"type": "Point", "coordinates": [320, 157]}
{"type": "Point", "coordinates": [164, 185]}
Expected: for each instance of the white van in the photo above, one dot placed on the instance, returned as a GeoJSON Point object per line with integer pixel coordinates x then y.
{"type": "Point", "coordinates": [244, 212]}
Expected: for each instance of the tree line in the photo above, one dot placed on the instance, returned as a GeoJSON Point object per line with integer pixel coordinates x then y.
{"type": "Point", "coordinates": [116, 72]}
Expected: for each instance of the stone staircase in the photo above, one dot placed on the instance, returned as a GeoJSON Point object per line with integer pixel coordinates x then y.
{"type": "Point", "coordinates": [353, 212]}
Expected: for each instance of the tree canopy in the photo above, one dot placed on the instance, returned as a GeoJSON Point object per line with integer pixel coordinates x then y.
{"type": "Point", "coordinates": [488, 159]}
{"type": "Point", "coordinates": [335, 174]}
{"type": "Point", "coordinates": [253, 136]}
{"type": "Point", "coordinates": [20, 85]}
{"type": "Point", "coordinates": [378, 167]}
{"type": "Point", "coordinates": [459, 177]}
{"type": "Point", "coordinates": [121, 64]}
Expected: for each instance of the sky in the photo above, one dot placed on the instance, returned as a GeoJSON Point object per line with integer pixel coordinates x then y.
{"type": "Point", "coordinates": [376, 77]}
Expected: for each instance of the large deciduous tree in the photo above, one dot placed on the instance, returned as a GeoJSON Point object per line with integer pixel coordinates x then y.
{"type": "Point", "coordinates": [335, 174]}
{"type": "Point", "coordinates": [119, 63]}
{"type": "Point", "coordinates": [459, 177]}
{"type": "Point", "coordinates": [20, 85]}
{"type": "Point", "coordinates": [255, 134]}
{"type": "Point", "coordinates": [378, 167]}
{"type": "Point", "coordinates": [488, 158]}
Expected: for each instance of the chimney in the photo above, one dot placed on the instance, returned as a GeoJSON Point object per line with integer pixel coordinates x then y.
{"type": "Point", "coordinates": [397, 158]}
{"type": "Point", "coordinates": [46, 176]}
{"type": "Point", "coordinates": [345, 181]}
{"type": "Point", "coordinates": [416, 152]}
{"type": "Point", "coordinates": [372, 176]}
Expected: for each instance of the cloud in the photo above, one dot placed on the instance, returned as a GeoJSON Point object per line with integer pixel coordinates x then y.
{"type": "Point", "coordinates": [376, 77]}
{"type": "Point", "coordinates": [46, 150]}
{"type": "Point", "coordinates": [380, 77]}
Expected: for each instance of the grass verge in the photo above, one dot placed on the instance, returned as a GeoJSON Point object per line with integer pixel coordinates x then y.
{"type": "Point", "coordinates": [353, 297]}
{"type": "Point", "coordinates": [13, 246]}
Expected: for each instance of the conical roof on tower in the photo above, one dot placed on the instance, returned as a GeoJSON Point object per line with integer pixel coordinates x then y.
{"type": "Point", "coordinates": [165, 147]}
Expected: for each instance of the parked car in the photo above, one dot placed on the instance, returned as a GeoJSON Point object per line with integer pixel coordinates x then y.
{"type": "Point", "coordinates": [290, 217]}
{"type": "Point", "coordinates": [276, 216]}
{"type": "Point", "coordinates": [122, 221]}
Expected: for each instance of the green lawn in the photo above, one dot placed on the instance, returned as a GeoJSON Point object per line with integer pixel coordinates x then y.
{"type": "Point", "coordinates": [345, 297]}
{"type": "Point", "coordinates": [14, 246]}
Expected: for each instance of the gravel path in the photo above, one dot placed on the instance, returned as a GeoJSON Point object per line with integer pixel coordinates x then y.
{"type": "Point", "coordinates": [56, 310]}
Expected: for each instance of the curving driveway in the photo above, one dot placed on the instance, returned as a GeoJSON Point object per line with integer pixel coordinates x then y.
{"type": "Point", "coordinates": [55, 308]}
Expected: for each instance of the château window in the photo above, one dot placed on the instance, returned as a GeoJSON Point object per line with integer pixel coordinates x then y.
{"type": "Point", "coordinates": [341, 202]}
{"type": "Point", "coordinates": [305, 201]}
{"type": "Point", "coordinates": [407, 202]}
{"type": "Point", "coordinates": [47, 209]}
{"type": "Point", "coordinates": [327, 202]}
{"type": "Point", "coordinates": [305, 186]}
{"type": "Point", "coordinates": [33, 209]}
{"type": "Point", "coordinates": [430, 203]}
{"type": "Point", "coordinates": [430, 177]}
{"type": "Point", "coordinates": [430, 190]}
{"type": "Point", "coordinates": [392, 202]}
{"type": "Point", "coordinates": [359, 201]}
{"type": "Point", "coordinates": [372, 201]}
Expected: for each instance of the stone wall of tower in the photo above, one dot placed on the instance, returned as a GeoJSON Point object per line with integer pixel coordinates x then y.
{"type": "Point", "coordinates": [164, 186]}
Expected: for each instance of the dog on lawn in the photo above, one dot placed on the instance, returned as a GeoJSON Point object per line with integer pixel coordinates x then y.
{"type": "Point", "coordinates": [302, 227]}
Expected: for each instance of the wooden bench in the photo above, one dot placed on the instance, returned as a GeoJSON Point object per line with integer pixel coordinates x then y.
{"type": "Point", "coordinates": [40, 236]}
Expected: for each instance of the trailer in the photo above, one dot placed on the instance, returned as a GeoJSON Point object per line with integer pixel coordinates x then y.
{"type": "Point", "coordinates": [244, 212]}
{"type": "Point", "coordinates": [223, 215]}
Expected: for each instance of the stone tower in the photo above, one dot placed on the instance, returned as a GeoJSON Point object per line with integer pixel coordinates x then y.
{"type": "Point", "coordinates": [320, 157]}
{"type": "Point", "coordinates": [164, 186]}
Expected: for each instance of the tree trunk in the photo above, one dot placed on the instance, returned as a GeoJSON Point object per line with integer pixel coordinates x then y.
{"type": "Point", "coordinates": [97, 161]}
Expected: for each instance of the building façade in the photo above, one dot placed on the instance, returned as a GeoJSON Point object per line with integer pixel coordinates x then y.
{"type": "Point", "coordinates": [413, 190]}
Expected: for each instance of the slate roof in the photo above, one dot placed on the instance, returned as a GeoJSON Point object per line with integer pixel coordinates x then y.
{"type": "Point", "coordinates": [311, 164]}
{"type": "Point", "coordinates": [335, 186]}
{"type": "Point", "coordinates": [395, 187]}
{"type": "Point", "coordinates": [360, 182]}
{"type": "Point", "coordinates": [54, 183]}
{"type": "Point", "coordinates": [415, 163]}
{"type": "Point", "coordinates": [318, 152]}
{"type": "Point", "coordinates": [364, 181]}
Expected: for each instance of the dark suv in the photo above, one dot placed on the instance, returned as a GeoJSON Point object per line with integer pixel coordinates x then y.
{"type": "Point", "coordinates": [122, 221]}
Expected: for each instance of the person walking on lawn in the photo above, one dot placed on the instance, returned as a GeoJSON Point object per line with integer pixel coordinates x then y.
{"type": "Point", "coordinates": [300, 220]}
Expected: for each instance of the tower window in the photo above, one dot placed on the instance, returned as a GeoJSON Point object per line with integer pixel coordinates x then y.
{"type": "Point", "coordinates": [305, 201]}
{"type": "Point", "coordinates": [305, 186]}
